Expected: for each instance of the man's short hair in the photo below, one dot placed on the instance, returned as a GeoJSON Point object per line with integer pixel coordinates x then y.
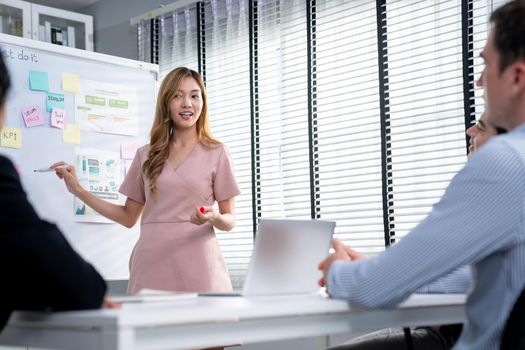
{"type": "Point", "coordinates": [500, 131]}
{"type": "Point", "coordinates": [509, 32]}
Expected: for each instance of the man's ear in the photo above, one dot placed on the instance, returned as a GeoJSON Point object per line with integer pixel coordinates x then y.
{"type": "Point", "coordinates": [518, 84]}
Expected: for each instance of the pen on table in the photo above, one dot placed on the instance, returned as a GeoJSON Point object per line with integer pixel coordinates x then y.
{"type": "Point", "coordinates": [46, 170]}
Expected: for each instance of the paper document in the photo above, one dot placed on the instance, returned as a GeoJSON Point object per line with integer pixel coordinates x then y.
{"type": "Point", "coordinates": [151, 295]}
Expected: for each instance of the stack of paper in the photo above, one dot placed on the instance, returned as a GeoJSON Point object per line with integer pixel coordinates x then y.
{"type": "Point", "coordinates": [151, 295]}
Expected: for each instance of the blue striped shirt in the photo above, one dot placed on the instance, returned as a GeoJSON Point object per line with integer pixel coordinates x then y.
{"type": "Point", "coordinates": [459, 281]}
{"type": "Point", "coordinates": [479, 221]}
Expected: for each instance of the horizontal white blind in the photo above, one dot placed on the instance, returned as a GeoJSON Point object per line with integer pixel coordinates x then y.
{"type": "Point", "coordinates": [423, 67]}
{"type": "Point", "coordinates": [426, 104]}
{"type": "Point", "coordinates": [482, 9]}
{"type": "Point", "coordinates": [178, 41]}
{"type": "Point", "coordinates": [283, 109]}
{"type": "Point", "coordinates": [349, 122]}
{"type": "Point", "coordinates": [144, 40]}
{"type": "Point", "coordinates": [228, 86]}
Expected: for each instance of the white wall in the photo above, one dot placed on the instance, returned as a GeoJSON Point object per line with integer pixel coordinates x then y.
{"type": "Point", "coordinates": [113, 33]}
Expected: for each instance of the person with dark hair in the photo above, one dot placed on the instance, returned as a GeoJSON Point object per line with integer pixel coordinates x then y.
{"type": "Point", "coordinates": [40, 270]}
{"type": "Point", "coordinates": [477, 222]}
{"type": "Point", "coordinates": [437, 337]}
{"type": "Point", "coordinates": [480, 133]}
{"type": "Point", "coordinates": [172, 184]}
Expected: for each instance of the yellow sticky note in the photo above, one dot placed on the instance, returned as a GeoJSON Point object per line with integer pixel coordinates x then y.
{"type": "Point", "coordinates": [70, 83]}
{"type": "Point", "coordinates": [71, 134]}
{"type": "Point", "coordinates": [11, 137]}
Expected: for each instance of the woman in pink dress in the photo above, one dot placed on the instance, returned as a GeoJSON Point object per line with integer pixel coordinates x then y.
{"type": "Point", "coordinates": [182, 170]}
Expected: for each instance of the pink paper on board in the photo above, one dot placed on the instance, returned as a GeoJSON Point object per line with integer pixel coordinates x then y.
{"type": "Point", "coordinates": [128, 150]}
{"type": "Point", "coordinates": [32, 116]}
{"type": "Point", "coordinates": [58, 118]}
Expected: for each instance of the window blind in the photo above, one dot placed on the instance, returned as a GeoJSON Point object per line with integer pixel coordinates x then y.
{"type": "Point", "coordinates": [228, 86]}
{"type": "Point", "coordinates": [178, 41]}
{"type": "Point", "coordinates": [144, 34]}
{"type": "Point", "coordinates": [349, 135]}
{"type": "Point", "coordinates": [482, 9]}
{"type": "Point", "coordinates": [283, 109]}
{"type": "Point", "coordinates": [388, 101]}
{"type": "Point", "coordinates": [427, 133]}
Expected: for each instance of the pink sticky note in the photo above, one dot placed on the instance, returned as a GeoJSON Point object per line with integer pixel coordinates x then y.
{"type": "Point", "coordinates": [127, 150]}
{"type": "Point", "coordinates": [32, 116]}
{"type": "Point", "coordinates": [58, 118]}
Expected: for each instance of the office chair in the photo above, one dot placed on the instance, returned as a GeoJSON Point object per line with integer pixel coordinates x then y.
{"type": "Point", "coordinates": [408, 338]}
{"type": "Point", "coordinates": [513, 336]}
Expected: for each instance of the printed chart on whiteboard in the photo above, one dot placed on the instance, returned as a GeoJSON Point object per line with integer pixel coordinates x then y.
{"type": "Point", "coordinates": [99, 173]}
{"type": "Point", "coordinates": [106, 108]}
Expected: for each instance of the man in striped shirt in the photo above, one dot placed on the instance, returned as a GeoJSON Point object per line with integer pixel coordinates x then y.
{"type": "Point", "coordinates": [480, 221]}
{"type": "Point", "coordinates": [459, 281]}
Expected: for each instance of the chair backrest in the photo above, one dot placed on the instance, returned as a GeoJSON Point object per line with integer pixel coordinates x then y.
{"type": "Point", "coordinates": [513, 336]}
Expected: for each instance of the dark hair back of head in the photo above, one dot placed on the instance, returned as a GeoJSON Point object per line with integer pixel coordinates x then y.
{"type": "Point", "coordinates": [509, 32]}
{"type": "Point", "coordinates": [500, 131]}
{"type": "Point", "coordinates": [5, 82]}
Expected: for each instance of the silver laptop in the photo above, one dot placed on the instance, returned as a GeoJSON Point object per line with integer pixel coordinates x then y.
{"type": "Point", "coordinates": [285, 257]}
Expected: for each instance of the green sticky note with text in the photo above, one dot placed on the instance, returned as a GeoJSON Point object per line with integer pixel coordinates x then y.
{"type": "Point", "coordinates": [54, 100]}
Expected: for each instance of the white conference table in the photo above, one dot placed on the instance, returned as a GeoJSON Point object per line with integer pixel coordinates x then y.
{"type": "Point", "coordinates": [213, 321]}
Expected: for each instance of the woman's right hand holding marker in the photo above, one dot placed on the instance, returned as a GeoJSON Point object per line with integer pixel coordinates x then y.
{"type": "Point", "coordinates": [67, 173]}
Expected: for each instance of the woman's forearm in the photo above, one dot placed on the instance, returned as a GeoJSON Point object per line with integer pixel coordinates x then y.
{"type": "Point", "coordinates": [114, 212]}
{"type": "Point", "coordinates": [223, 222]}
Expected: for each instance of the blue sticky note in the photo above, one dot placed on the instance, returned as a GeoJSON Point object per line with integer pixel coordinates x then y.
{"type": "Point", "coordinates": [38, 81]}
{"type": "Point", "coordinates": [54, 100]}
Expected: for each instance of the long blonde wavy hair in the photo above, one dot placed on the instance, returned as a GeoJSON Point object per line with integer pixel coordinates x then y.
{"type": "Point", "coordinates": [162, 129]}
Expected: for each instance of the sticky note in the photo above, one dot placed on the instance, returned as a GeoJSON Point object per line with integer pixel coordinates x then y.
{"type": "Point", "coordinates": [54, 100]}
{"type": "Point", "coordinates": [32, 116]}
{"type": "Point", "coordinates": [127, 150]}
{"type": "Point", "coordinates": [58, 118]}
{"type": "Point", "coordinates": [70, 83]}
{"type": "Point", "coordinates": [11, 137]}
{"type": "Point", "coordinates": [38, 81]}
{"type": "Point", "coordinates": [71, 134]}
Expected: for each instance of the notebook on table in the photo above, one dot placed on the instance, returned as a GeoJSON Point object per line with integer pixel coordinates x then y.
{"type": "Point", "coordinates": [152, 295]}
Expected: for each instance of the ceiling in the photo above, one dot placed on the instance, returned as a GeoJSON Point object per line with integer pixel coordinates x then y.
{"type": "Point", "coordinates": [70, 5]}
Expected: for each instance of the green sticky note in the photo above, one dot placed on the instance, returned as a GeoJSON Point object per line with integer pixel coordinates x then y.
{"type": "Point", "coordinates": [54, 100]}
{"type": "Point", "coordinates": [38, 81]}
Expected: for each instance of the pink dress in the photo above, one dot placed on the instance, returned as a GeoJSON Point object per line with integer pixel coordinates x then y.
{"type": "Point", "coordinates": [172, 253]}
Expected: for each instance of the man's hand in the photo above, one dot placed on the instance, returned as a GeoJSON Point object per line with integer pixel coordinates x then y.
{"type": "Point", "coordinates": [107, 303]}
{"type": "Point", "coordinates": [342, 252]}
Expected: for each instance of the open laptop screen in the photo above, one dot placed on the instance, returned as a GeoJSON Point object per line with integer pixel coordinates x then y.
{"type": "Point", "coordinates": [286, 256]}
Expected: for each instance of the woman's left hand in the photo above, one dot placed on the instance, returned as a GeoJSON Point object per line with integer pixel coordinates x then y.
{"type": "Point", "coordinates": [202, 215]}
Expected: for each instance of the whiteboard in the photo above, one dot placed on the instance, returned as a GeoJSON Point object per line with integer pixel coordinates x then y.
{"type": "Point", "coordinates": [106, 245]}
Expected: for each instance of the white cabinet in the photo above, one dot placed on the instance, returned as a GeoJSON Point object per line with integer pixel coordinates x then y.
{"type": "Point", "coordinates": [15, 18]}
{"type": "Point", "coordinates": [62, 27]}
{"type": "Point", "coordinates": [44, 23]}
